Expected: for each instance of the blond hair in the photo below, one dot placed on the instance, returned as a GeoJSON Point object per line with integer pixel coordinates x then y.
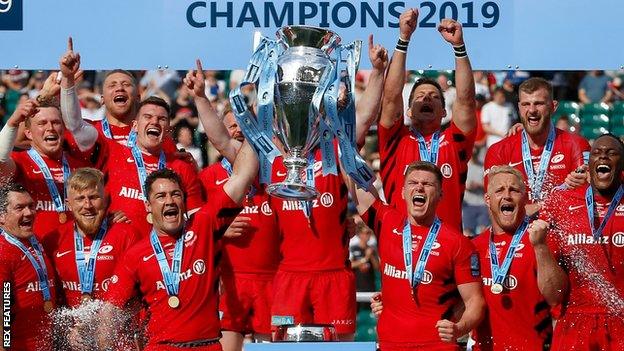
{"type": "Point", "coordinates": [505, 169]}
{"type": "Point", "coordinates": [86, 178]}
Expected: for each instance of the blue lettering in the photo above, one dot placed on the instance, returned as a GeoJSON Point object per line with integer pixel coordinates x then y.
{"type": "Point", "coordinates": [394, 11]}
{"type": "Point", "coordinates": [189, 14]}
{"type": "Point", "coordinates": [376, 17]}
{"type": "Point", "coordinates": [352, 14]}
{"type": "Point", "coordinates": [303, 14]}
{"type": "Point", "coordinates": [269, 10]}
{"type": "Point", "coordinates": [248, 14]}
{"type": "Point", "coordinates": [214, 14]}
{"type": "Point", "coordinates": [324, 6]}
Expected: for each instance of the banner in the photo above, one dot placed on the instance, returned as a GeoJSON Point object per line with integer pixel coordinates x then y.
{"type": "Point", "coordinates": [148, 34]}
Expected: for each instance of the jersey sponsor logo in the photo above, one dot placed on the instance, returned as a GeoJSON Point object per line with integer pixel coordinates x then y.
{"type": "Point", "coordinates": [294, 205]}
{"type": "Point", "coordinates": [510, 282]}
{"type": "Point", "coordinates": [35, 286]}
{"type": "Point", "coordinates": [555, 167]}
{"type": "Point", "coordinates": [189, 239]}
{"type": "Point", "coordinates": [106, 282]}
{"type": "Point", "coordinates": [572, 208]}
{"type": "Point", "coordinates": [221, 181]}
{"type": "Point", "coordinates": [199, 266]}
{"type": "Point", "coordinates": [436, 245]}
{"type": "Point", "coordinates": [76, 286]}
{"type": "Point", "coordinates": [61, 254]}
{"type": "Point", "coordinates": [105, 249]}
{"type": "Point", "coordinates": [266, 208]}
{"type": "Point", "coordinates": [187, 274]}
{"type": "Point", "coordinates": [281, 174]}
{"type": "Point", "coordinates": [557, 158]}
{"type": "Point", "coordinates": [327, 199]}
{"type": "Point", "coordinates": [447, 170]}
{"type": "Point", "coordinates": [618, 239]}
{"type": "Point", "coordinates": [394, 272]}
{"type": "Point", "coordinates": [131, 193]}
{"type": "Point", "coordinates": [250, 209]}
{"type": "Point", "coordinates": [397, 231]}
{"type": "Point", "coordinates": [318, 165]}
{"type": "Point", "coordinates": [584, 239]}
{"type": "Point", "coordinates": [130, 159]}
{"type": "Point", "coordinates": [44, 205]}
{"type": "Point", "coordinates": [514, 164]}
{"type": "Point", "coordinates": [146, 258]}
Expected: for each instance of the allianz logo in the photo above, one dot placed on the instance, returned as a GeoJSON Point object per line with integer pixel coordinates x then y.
{"type": "Point", "coordinates": [510, 282]}
{"type": "Point", "coordinates": [199, 268]}
{"type": "Point", "coordinates": [617, 239]}
{"type": "Point", "coordinates": [394, 272]}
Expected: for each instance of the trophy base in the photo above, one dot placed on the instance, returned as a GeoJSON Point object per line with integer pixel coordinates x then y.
{"type": "Point", "coordinates": [292, 191]}
{"type": "Point", "coordinates": [305, 333]}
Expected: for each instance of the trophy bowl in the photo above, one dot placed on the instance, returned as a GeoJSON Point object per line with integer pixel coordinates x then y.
{"type": "Point", "coordinates": [305, 333]}
{"type": "Point", "coordinates": [299, 70]}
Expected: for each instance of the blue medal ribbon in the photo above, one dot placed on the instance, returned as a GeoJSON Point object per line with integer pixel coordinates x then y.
{"type": "Point", "coordinates": [499, 272]}
{"type": "Point", "coordinates": [307, 205]}
{"type": "Point", "coordinates": [415, 276]}
{"type": "Point", "coordinates": [86, 270]}
{"type": "Point", "coordinates": [536, 181]}
{"type": "Point", "coordinates": [132, 137]}
{"type": "Point", "coordinates": [140, 165]}
{"type": "Point", "coordinates": [171, 276]}
{"type": "Point", "coordinates": [326, 134]}
{"type": "Point", "coordinates": [425, 154]}
{"type": "Point", "coordinates": [589, 202]}
{"type": "Point", "coordinates": [38, 262]}
{"type": "Point", "coordinates": [59, 205]}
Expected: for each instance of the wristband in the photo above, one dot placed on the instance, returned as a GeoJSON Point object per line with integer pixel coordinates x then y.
{"type": "Point", "coordinates": [401, 45]}
{"type": "Point", "coordinates": [460, 51]}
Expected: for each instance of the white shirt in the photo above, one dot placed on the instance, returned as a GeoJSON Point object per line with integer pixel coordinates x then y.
{"type": "Point", "coordinates": [499, 117]}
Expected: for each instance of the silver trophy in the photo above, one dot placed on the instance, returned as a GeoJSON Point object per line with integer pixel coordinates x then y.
{"type": "Point", "coordinates": [299, 70]}
{"type": "Point", "coordinates": [305, 333]}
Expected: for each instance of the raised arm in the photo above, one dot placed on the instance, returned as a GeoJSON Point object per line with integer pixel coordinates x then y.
{"type": "Point", "coordinates": [552, 280]}
{"type": "Point", "coordinates": [392, 103]}
{"type": "Point", "coordinates": [9, 133]}
{"type": "Point", "coordinates": [244, 171]}
{"type": "Point", "coordinates": [84, 133]}
{"type": "Point", "coordinates": [218, 135]}
{"type": "Point", "coordinates": [464, 115]}
{"type": "Point", "coordinates": [369, 105]}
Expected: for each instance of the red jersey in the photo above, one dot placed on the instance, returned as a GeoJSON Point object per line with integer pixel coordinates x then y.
{"type": "Point", "coordinates": [28, 174]}
{"type": "Point", "coordinates": [29, 324]}
{"type": "Point", "coordinates": [398, 148]}
{"type": "Point", "coordinates": [595, 267]}
{"type": "Point", "coordinates": [59, 245]}
{"type": "Point", "coordinates": [123, 185]}
{"type": "Point", "coordinates": [197, 316]}
{"type": "Point", "coordinates": [255, 252]}
{"type": "Point", "coordinates": [453, 261]}
{"type": "Point", "coordinates": [567, 156]}
{"type": "Point", "coordinates": [319, 243]}
{"type": "Point", "coordinates": [518, 318]}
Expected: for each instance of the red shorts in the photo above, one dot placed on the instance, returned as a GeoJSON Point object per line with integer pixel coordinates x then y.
{"type": "Point", "coordinates": [158, 347]}
{"type": "Point", "coordinates": [326, 297]}
{"type": "Point", "coordinates": [581, 331]}
{"type": "Point", "coordinates": [402, 346]}
{"type": "Point", "coordinates": [245, 303]}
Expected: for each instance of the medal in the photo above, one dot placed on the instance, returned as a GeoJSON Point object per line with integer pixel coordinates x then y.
{"type": "Point", "coordinates": [496, 288]}
{"type": "Point", "coordinates": [174, 301]}
{"type": "Point", "coordinates": [62, 217]}
{"type": "Point", "coordinates": [48, 306]}
{"type": "Point", "coordinates": [85, 298]}
{"type": "Point", "coordinates": [149, 218]}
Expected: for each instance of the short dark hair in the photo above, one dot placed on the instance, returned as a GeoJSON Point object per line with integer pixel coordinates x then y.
{"type": "Point", "coordinates": [531, 85]}
{"type": "Point", "coordinates": [4, 194]}
{"type": "Point", "coordinates": [610, 135]}
{"type": "Point", "coordinates": [423, 81]}
{"type": "Point", "coordinates": [155, 100]}
{"type": "Point", "coordinates": [424, 166]}
{"type": "Point", "coordinates": [164, 173]}
{"type": "Point", "coordinates": [122, 71]}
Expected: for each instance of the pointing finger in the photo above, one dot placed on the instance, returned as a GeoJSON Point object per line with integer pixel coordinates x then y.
{"type": "Point", "coordinates": [70, 44]}
{"type": "Point", "coordinates": [370, 41]}
{"type": "Point", "coordinates": [199, 66]}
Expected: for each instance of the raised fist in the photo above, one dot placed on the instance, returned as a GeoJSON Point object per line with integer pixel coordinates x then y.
{"type": "Point", "coordinates": [537, 232]}
{"type": "Point", "coordinates": [407, 23]}
{"type": "Point", "coordinates": [451, 31]}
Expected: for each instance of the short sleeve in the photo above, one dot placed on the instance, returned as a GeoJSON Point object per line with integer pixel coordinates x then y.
{"type": "Point", "coordinates": [467, 268]}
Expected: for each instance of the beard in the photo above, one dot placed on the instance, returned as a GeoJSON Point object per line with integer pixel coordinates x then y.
{"type": "Point", "coordinates": [90, 227]}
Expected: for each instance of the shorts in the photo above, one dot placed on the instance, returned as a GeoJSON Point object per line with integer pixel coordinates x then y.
{"type": "Point", "coordinates": [583, 331]}
{"type": "Point", "coordinates": [406, 346]}
{"type": "Point", "coordinates": [326, 297]}
{"type": "Point", "coordinates": [245, 303]}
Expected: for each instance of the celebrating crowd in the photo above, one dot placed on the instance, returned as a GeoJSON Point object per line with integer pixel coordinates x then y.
{"type": "Point", "coordinates": [110, 215]}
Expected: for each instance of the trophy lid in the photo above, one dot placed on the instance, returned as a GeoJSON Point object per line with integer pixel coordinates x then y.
{"type": "Point", "coordinates": [315, 37]}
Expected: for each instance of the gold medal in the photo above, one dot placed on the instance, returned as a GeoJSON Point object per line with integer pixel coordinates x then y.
{"type": "Point", "coordinates": [173, 301]}
{"type": "Point", "coordinates": [85, 297]}
{"type": "Point", "coordinates": [62, 217]}
{"type": "Point", "coordinates": [496, 288]}
{"type": "Point", "coordinates": [149, 218]}
{"type": "Point", "coordinates": [48, 306]}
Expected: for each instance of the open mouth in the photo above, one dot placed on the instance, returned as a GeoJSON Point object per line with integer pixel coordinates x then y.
{"type": "Point", "coordinates": [419, 200]}
{"type": "Point", "coordinates": [153, 132]}
{"type": "Point", "coordinates": [426, 109]}
{"type": "Point", "coordinates": [89, 216]}
{"type": "Point", "coordinates": [171, 214]}
{"type": "Point", "coordinates": [534, 120]}
{"type": "Point", "coordinates": [603, 172]}
{"type": "Point", "coordinates": [26, 223]}
{"type": "Point", "coordinates": [51, 138]}
{"type": "Point", "coordinates": [120, 99]}
{"type": "Point", "coordinates": [507, 209]}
